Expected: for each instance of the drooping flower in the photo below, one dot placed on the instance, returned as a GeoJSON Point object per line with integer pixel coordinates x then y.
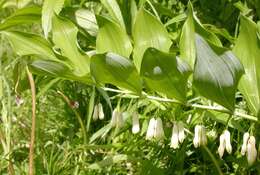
{"type": "Point", "coordinates": [101, 114]}
{"type": "Point", "coordinates": [135, 121]}
{"type": "Point", "coordinates": [95, 113]}
{"type": "Point", "coordinates": [155, 129]}
{"type": "Point", "coordinates": [227, 141]}
{"type": "Point", "coordinates": [175, 136]}
{"type": "Point", "coordinates": [151, 129]}
{"type": "Point", "coordinates": [117, 119]}
{"type": "Point", "coordinates": [221, 148]}
{"type": "Point", "coordinates": [251, 151]}
{"type": "Point", "coordinates": [200, 137]}
{"type": "Point", "coordinates": [181, 132]}
{"type": "Point", "coordinates": [244, 146]}
{"type": "Point", "coordinates": [159, 132]}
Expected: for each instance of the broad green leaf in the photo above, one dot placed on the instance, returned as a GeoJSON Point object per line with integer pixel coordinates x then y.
{"type": "Point", "coordinates": [191, 26]}
{"type": "Point", "coordinates": [65, 38]}
{"type": "Point", "coordinates": [247, 49]}
{"type": "Point", "coordinates": [56, 69]}
{"type": "Point", "coordinates": [216, 73]}
{"type": "Point", "coordinates": [114, 10]}
{"type": "Point", "coordinates": [117, 70]}
{"type": "Point", "coordinates": [112, 38]}
{"type": "Point", "coordinates": [49, 8]}
{"type": "Point", "coordinates": [87, 20]}
{"type": "Point", "coordinates": [148, 31]}
{"type": "Point", "coordinates": [30, 44]}
{"type": "Point", "coordinates": [187, 39]}
{"type": "Point", "coordinates": [22, 16]}
{"type": "Point", "coordinates": [165, 74]}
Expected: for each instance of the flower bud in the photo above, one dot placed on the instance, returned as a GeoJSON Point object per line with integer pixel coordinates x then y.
{"type": "Point", "coordinates": [227, 141]}
{"type": "Point", "coordinates": [244, 146]}
{"type": "Point", "coordinates": [174, 138]}
{"type": "Point", "coordinates": [151, 129]}
{"type": "Point", "coordinates": [101, 115]}
{"type": "Point", "coordinates": [159, 132]}
{"type": "Point", "coordinates": [222, 144]}
{"type": "Point", "coordinates": [181, 134]}
{"type": "Point", "coordinates": [204, 139]}
{"type": "Point", "coordinates": [135, 121]}
{"type": "Point", "coordinates": [251, 151]}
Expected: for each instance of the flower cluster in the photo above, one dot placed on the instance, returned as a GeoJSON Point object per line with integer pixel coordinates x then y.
{"type": "Point", "coordinates": [155, 129]}
{"type": "Point", "coordinates": [178, 135]}
{"type": "Point", "coordinates": [98, 112]}
{"type": "Point", "coordinates": [249, 148]}
{"type": "Point", "coordinates": [200, 137]}
{"type": "Point", "coordinates": [224, 143]}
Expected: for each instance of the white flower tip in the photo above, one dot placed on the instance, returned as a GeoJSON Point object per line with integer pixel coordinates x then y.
{"type": "Point", "coordinates": [221, 150]}
{"type": "Point", "coordinates": [135, 129]}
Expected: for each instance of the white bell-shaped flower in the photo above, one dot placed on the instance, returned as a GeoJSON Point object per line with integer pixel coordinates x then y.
{"type": "Point", "coordinates": [95, 112]}
{"type": "Point", "coordinates": [101, 114]}
{"type": "Point", "coordinates": [181, 134]}
{"type": "Point", "coordinates": [117, 119]}
{"type": "Point", "coordinates": [251, 151]}
{"type": "Point", "coordinates": [151, 129]}
{"type": "Point", "coordinates": [222, 144]}
{"type": "Point", "coordinates": [175, 136]}
{"type": "Point", "coordinates": [135, 122]}
{"type": "Point", "coordinates": [244, 146]}
{"type": "Point", "coordinates": [200, 137]}
{"type": "Point", "coordinates": [227, 141]}
{"type": "Point", "coordinates": [159, 132]}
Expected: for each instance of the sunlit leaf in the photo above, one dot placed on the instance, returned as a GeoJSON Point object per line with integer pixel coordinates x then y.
{"type": "Point", "coordinates": [87, 20]}
{"type": "Point", "coordinates": [247, 49]}
{"type": "Point", "coordinates": [116, 70]}
{"type": "Point", "coordinates": [112, 38]}
{"type": "Point", "coordinates": [26, 15]}
{"type": "Point", "coordinates": [148, 31]}
{"type": "Point", "coordinates": [216, 73]}
{"type": "Point", "coordinates": [164, 73]}
{"type": "Point", "coordinates": [49, 8]}
{"type": "Point", "coordinates": [114, 10]}
{"type": "Point", "coordinates": [65, 38]}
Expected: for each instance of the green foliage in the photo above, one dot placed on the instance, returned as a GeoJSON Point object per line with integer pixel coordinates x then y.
{"type": "Point", "coordinates": [177, 60]}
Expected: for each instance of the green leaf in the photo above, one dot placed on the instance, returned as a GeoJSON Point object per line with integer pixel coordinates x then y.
{"type": "Point", "coordinates": [26, 15]}
{"type": "Point", "coordinates": [117, 70]}
{"type": "Point", "coordinates": [87, 20]}
{"type": "Point", "coordinates": [114, 10]}
{"type": "Point", "coordinates": [65, 38]}
{"type": "Point", "coordinates": [49, 8]}
{"type": "Point", "coordinates": [191, 26]}
{"type": "Point", "coordinates": [247, 49]}
{"type": "Point", "coordinates": [56, 69]}
{"type": "Point", "coordinates": [187, 39]}
{"type": "Point", "coordinates": [148, 31]}
{"type": "Point", "coordinates": [216, 73]}
{"type": "Point", "coordinates": [164, 73]}
{"type": "Point", "coordinates": [112, 38]}
{"type": "Point", "coordinates": [30, 44]}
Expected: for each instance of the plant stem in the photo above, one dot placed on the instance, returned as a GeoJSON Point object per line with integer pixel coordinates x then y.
{"type": "Point", "coordinates": [199, 106]}
{"type": "Point", "coordinates": [31, 153]}
{"type": "Point", "coordinates": [66, 99]}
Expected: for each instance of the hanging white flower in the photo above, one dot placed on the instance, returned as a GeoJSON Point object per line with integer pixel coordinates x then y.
{"type": "Point", "coordinates": [175, 136]}
{"type": "Point", "coordinates": [222, 144]}
{"type": "Point", "coordinates": [200, 137]}
{"type": "Point", "coordinates": [251, 151]}
{"type": "Point", "coordinates": [244, 146]}
{"type": "Point", "coordinates": [135, 121]}
{"type": "Point", "coordinates": [95, 113]}
{"type": "Point", "coordinates": [151, 129]}
{"type": "Point", "coordinates": [101, 115]}
{"type": "Point", "coordinates": [181, 134]}
{"type": "Point", "coordinates": [117, 119]}
{"type": "Point", "coordinates": [159, 132]}
{"type": "Point", "coordinates": [227, 141]}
